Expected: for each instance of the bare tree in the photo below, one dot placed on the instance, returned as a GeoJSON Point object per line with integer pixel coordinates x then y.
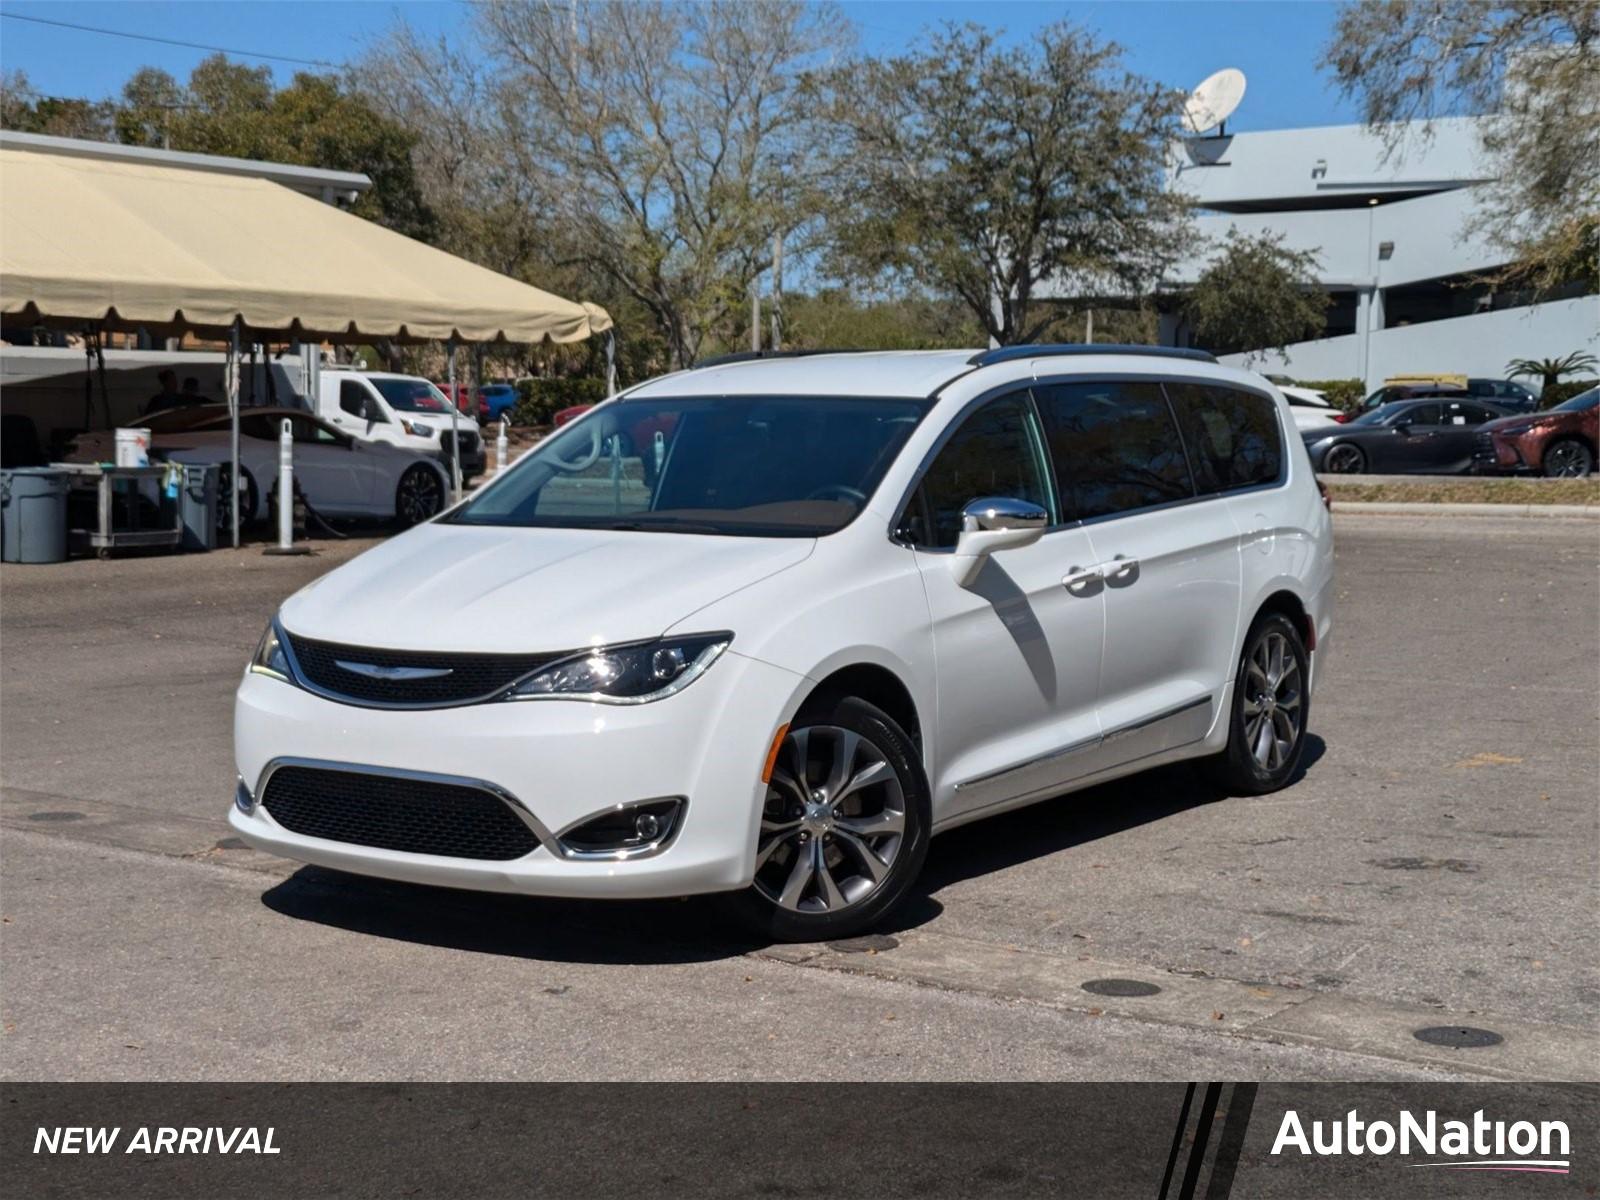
{"type": "Point", "coordinates": [1530, 67]}
{"type": "Point", "coordinates": [668, 141]}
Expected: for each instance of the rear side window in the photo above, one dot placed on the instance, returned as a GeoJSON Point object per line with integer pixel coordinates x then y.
{"type": "Point", "coordinates": [1420, 414]}
{"type": "Point", "coordinates": [1232, 436]}
{"type": "Point", "coordinates": [1114, 445]}
{"type": "Point", "coordinates": [995, 452]}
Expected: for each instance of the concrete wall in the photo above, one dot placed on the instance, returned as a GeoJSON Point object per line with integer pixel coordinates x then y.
{"type": "Point", "coordinates": [1479, 345]}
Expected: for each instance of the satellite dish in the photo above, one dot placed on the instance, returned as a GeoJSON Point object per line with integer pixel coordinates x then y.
{"type": "Point", "coordinates": [1213, 102]}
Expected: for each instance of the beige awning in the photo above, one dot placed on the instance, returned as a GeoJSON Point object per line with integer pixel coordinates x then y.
{"type": "Point", "coordinates": [133, 244]}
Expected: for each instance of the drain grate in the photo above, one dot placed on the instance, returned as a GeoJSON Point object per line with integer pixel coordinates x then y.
{"type": "Point", "coordinates": [55, 816]}
{"type": "Point", "coordinates": [1120, 987]}
{"type": "Point", "coordinates": [1458, 1037]}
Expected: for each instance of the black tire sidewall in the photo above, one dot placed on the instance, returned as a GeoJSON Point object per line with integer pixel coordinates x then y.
{"type": "Point", "coordinates": [1236, 769]}
{"type": "Point", "coordinates": [405, 518]}
{"type": "Point", "coordinates": [1588, 454]}
{"type": "Point", "coordinates": [856, 715]}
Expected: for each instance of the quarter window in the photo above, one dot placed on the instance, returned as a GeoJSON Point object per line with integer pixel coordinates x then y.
{"type": "Point", "coordinates": [1232, 436]}
{"type": "Point", "coordinates": [1420, 414]}
{"type": "Point", "coordinates": [1115, 447]}
{"type": "Point", "coordinates": [997, 451]}
{"type": "Point", "coordinates": [353, 398]}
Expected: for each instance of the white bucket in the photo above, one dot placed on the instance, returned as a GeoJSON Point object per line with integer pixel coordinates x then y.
{"type": "Point", "coordinates": [133, 447]}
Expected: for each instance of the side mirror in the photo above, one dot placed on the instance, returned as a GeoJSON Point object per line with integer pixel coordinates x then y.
{"type": "Point", "coordinates": [1403, 428]}
{"type": "Point", "coordinates": [990, 524]}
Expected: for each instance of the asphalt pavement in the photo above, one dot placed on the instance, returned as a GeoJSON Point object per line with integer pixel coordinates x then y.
{"type": "Point", "coordinates": [1435, 865]}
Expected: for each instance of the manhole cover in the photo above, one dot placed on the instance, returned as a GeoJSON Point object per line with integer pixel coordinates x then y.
{"type": "Point", "coordinates": [233, 843]}
{"type": "Point", "coordinates": [1120, 987]}
{"type": "Point", "coordinates": [55, 816]}
{"type": "Point", "coordinates": [1460, 1037]}
{"type": "Point", "coordinates": [862, 945]}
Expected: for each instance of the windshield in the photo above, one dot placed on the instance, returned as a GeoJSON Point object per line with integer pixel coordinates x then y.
{"type": "Point", "coordinates": [1581, 402]}
{"type": "Point", "coordinates": [753, 466]}
{"type": "Point", "coordinates": [411, 395]}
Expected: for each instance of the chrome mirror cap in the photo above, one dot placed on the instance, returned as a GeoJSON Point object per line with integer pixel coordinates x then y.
{"type": "Point", "coordinates": [993, 513]}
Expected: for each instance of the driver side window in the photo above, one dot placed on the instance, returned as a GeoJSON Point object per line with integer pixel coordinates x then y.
{"type": "Point", "coordinates": [998, 451]}
{"type": "Point", "coordinates": [353, 399]}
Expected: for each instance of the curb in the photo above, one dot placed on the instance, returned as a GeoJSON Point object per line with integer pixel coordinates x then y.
{"type": "Point", "coordinates": [1579, 512]}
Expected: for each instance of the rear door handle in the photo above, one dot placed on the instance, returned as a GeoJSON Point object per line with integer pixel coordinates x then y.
{"type": "Point", "coordinates": [1120, 567]}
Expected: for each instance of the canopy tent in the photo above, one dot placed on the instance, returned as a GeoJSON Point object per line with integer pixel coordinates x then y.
{"type": "Point", "coordinates": [90, 240]}
{"type": "Point", "coordinates": [170, 249]}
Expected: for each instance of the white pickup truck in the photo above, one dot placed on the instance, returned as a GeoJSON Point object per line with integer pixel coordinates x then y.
{"type": "Point", "coordinates": [400, 410]}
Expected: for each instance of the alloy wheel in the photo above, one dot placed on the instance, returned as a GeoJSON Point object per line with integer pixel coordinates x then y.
{"type": "Point", "coordinates": [420, 496]}
{"type": "Point", "coordinates": [1567, 460]}
{"type": "Point", "coordinates": [833, 823]}
{"type": "Point", "coordinates": [1272, 701]}
{"type": "Point", "coordinates": [1344, 460]}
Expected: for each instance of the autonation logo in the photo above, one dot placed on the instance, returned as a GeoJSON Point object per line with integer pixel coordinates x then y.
{"type": "Point", "coordinates": [1478, 1145]}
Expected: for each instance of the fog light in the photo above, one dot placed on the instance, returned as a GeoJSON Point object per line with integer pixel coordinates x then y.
{"type": "Point", "coordinates": [626, 831]}
{"type": "Point", "coordinates": [242, 799]}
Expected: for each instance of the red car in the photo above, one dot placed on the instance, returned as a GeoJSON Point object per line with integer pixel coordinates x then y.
{"type": "Point", "coordinates": [571, 414]}
{"type": "Point", "coordinates": [1561, 441]}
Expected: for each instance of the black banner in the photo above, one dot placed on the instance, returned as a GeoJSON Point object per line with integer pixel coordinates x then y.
{"type": "Point", "coordinates": [1155, 1141]}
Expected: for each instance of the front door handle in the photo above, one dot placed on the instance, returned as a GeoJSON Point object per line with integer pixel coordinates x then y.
{"type": "Point", "coordinates": [1121, 569]}
{"type": "Point", "coordinates": [1077, 579]}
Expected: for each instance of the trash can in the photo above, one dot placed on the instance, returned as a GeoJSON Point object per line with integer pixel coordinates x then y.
{"type": "Point", "coordinates": [198, 497]}
{"type": "Point", "coordinates": [34, 504]}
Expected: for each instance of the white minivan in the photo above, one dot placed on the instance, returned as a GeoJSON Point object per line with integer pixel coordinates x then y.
{"type": "Point", "coordinates": [398, 410]}
{"type": "Point", "coordinates": [765, 626]}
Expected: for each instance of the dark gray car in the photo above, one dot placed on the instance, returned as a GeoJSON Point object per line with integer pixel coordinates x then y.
{"type": "Point", "coordinates": [1409, 437]}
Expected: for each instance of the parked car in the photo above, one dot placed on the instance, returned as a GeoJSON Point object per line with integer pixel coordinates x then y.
{"type": "Point", "coordinates": [1390, 393]}
{"type": "Point", "coordinates": [571, 413]}
{"type": "Point", "coordinates": [401, 410]}
{"type": "Point", "coordinates": [1310, 408]}
{"type": "Point", "coordinates": [1513, 397]}
{"type": "Point", "coordinates": [495, 399]}
{"type": "Point", "coordinates": [869, 597]}
{"type": "Point", "coordinates": [1410, 437]}
{"type": "Point", "coordinates": [460, 392]}
{"type": "Point", "coordinates": [341, 476]}
{"type": "Point", "coordinates": [1562, 441]}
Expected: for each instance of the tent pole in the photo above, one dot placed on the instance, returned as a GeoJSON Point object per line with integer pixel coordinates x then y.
{"type": "Point", "coordinates": [233, 433]}
{"type": "Point", "coordinates": [611, 362]}
{"type": "Point", "coordinates": [455, 422]}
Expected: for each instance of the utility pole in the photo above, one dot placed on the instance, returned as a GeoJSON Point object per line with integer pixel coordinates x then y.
{"type": "Point", "coordinates": [777, 291]}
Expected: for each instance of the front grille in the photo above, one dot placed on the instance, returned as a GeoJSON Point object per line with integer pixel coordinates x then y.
{"type": "Point", "coordinates": [410, 815]}
{"type": "Point", "coordinates": [1483, 450]}
{"type": "Point", "coordinates": [470, 678]}
{"type": "Point", "coordinates": [469, 441]}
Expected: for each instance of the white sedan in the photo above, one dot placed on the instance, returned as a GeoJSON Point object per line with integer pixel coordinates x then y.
{"type": "Point", "coordinates": [1309, 407]}
{"type": "Point", "coordinates": [340, 476]}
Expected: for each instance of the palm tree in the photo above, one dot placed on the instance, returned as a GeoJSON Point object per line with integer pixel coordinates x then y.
{"type": "Point", "coordinates": [1550, 370]}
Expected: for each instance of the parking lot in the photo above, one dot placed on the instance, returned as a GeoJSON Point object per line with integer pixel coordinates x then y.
{"type": "Point", "coordinates": [1435, 866]}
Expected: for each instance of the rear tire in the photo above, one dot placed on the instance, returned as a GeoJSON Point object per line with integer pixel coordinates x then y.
{"type": "Point", "coordinates": [1267, 724]}
{"type": "Point", "coordinates": [844, 827]}
{"type": "Point", "coordinates": [1568, 459]}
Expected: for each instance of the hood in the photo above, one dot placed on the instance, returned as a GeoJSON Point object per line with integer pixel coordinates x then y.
{"type": "Point", "coordinates": [460, 587]}
{"type": "Point", "coordinates": [1526, 418]}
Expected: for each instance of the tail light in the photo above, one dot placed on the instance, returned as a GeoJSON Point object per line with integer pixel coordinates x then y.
{"type": "Point", "coordinates": [1341, 417]}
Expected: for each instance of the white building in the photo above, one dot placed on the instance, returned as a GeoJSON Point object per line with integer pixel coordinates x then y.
{"type": "Point", "coordinates": [1394, 245]}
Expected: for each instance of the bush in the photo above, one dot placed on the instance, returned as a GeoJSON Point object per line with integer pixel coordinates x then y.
{"type": "Point", "coordinates": [1555, 393]}
{"type": "Point", "coordinates": [1341, 393]}
{"type": "Point", "coordinates": [541, 399]}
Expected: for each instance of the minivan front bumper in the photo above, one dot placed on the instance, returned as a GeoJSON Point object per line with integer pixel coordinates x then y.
{"type": "Point", "coordinates": [552, 763]}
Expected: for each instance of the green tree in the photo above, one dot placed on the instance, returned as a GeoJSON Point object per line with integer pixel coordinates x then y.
{"type": "Point", "coordinates": [1256, 295]}
{"type": "Point", "coordinates": [1549, 371]}
{"type": "Point", "coordinates": [1001, 175]}
{"type": "Point", "coordinates": [25, 110]}
{"type": "Point", "coordinates": [665, 143]}
{"type": "Point", "coordinates": [1528, 66]}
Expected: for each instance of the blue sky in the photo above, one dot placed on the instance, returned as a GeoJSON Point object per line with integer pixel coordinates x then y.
{"type": "Point", "coordinates": [1277, 43]}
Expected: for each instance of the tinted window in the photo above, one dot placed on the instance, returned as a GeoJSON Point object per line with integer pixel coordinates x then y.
{"type": "Point", "coordinates": [1232, 436]}
{"type": "Point", "coordinates": [1114, 445]}
{"type": "Point", "coordinates": [1419, 414]}
{"type": "Point", "coordinates": [1457, 413]}
{"type": "Point", "coordinates": [996, 452]}
{"type": "Point", "coordinates": [353, 398]}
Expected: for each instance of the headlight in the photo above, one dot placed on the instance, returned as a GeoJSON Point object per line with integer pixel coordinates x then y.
{"type": "Point", "coordinates": [417, 429]}
{"type": "Point", "coordinates": [632, 674]}
{"type": "Point", "coordinates": [270, 657]}
{"type": "Point", "coordinates": [1515, 430]}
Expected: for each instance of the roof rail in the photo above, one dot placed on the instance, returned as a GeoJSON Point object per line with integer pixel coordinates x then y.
{"type": "Point", "coordinates": [1000, 354]}
{"type": "Point", "coordinates": [723, 360]}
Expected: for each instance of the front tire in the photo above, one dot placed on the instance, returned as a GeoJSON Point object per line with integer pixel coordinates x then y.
{"type": "Point", "coordinates": [1344, 459]}
{"type": "Point", "coordinates": [844, 826]}
{"type": "Point", "coordinates": [419, 496]}
{"type": "Point", "coordinates": [1267, 727]}
{"type": "Point", "coordinates": [1568, 459]}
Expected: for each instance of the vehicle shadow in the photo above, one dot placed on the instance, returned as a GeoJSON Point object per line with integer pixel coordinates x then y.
{"type": "Point", "coordinates": [699, 928]}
